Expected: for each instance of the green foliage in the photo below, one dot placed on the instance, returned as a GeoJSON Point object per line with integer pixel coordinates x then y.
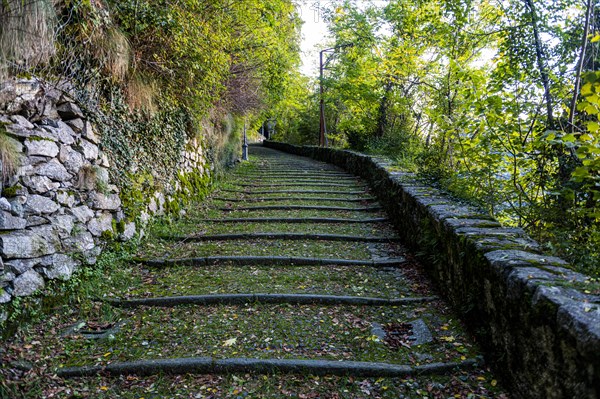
{"type": "Point", "coordinates": [9, 156]}
{"type": "Point", "coordinates": [476, 94]}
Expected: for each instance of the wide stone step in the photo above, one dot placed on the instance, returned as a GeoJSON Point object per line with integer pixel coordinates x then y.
{"type": "Point", "coordinates": [293, 220]}
{"type": "Point", "coordinates": [258, 192]}
{"type": "Point", "coordinates": [279, 236]}
{"type": "Point", "coordinates": [303, 207]}
{"type": "Point", "coordinates": [296, 174]}
{"type": "Point", "coordinates": [290, 261]}
{"type": "Point", "coordinates": [237, 299]}
{"type": "Point", "coordinates": [299, 184]}
{"type": "Point", "coordinates": [209, 365]}
{"type": "Point", "coordinates": [276, 199]}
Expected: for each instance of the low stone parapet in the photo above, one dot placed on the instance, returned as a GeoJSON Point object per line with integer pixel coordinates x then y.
{"type": "Point", "coordinates": [537, 320]}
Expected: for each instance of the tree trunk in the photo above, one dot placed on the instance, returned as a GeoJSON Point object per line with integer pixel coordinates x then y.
{"type": "Point", "coordinates": [579, 70]}
{"type": "Point", "coordinates": [541, 62]}
{"type": "Point", "coordinates": [382, 122]}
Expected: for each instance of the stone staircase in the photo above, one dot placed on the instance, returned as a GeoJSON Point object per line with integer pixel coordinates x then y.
{"type": "Point", "coordinates": [288, 282]}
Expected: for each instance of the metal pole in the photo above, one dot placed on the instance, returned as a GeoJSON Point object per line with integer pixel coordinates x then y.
{"type": "Point", "coordinates": [245, 145]}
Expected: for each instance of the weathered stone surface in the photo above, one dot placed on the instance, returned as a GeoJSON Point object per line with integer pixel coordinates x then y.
{"type": "Point", "coordinates": [71, 159]}
{"type": "Point", "coordinates": [37, 205]}
{"type": "Point", "coordinates": [33, 221]}
{"type": "Point", "coordinates": [89, 150]}
{"type": "Point", "coordinates": [64, 225]}
{"type": "Point", "coordinates": [129, 232]}
{"type": "Point", "coordinates": [76, 124]}
{"type": "Point", "coordinates": [27, 283]}
{"type": "Point", "coordinates": [25, 244]}
{"type": "Point", "coordinates": [5, 205]}
{"type": "Point", "coordinates": [40, 184]}
{"type": "Point", "coordinates": [69, 110]}
{"type": "Point", "coordinates": [82, 213]}
{"type": "Point", "coordinates": [5, 297]}
{"type": "Point", "coordinates": [59, 266]}
{"type": "Point", "coordinates": [88, 133]}
{"type": "Point", "coordinates": [81, 242]}
{"type": "Point", "coordinates": [54, 170]}
{"type": "Point", "coordinates": [6, 276]}
{"type": "Point", "coordinates": [45, 148]}
{"type": "Point", "coordinates": [16, 205]}
{"type": "Point", "coordinates": [62, 133]}
{"type": "Point", "coordinates": [20, 266]}
{"type": "Point", "coordinates": [99, 225]}
{"type": "Point", "coordinates": [66, 199]}
{"type": "Point", "coordinates": [104, 162]}
{"type": "Point", "coordinates": [10, 222]}
{"type": "Point", "coordinates": [109, 202]}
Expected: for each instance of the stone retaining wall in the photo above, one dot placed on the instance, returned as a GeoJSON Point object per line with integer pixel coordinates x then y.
{"type": "Point", "coordinates": [56, 208]}
{"type": "Point", "coordinates": [532, 315]}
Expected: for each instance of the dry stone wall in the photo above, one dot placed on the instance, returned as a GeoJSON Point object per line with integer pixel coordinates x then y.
{"type": "Point", "coordinates": [60, 203]}
{"type": "Point", "coordinates": [538, 324]}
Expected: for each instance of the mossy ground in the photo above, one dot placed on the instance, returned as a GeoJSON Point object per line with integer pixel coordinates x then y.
{"type": "Point", "coordinates": [254, 330]}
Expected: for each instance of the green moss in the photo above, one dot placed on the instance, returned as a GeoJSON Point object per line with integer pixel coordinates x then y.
{"type": "Point", "coordinates": [10, 192]}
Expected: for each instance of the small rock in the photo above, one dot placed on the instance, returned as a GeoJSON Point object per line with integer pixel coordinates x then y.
{"type": "Point", "coordinates": [66, 199]}
{"type": "Point", "coordinates": [36, 204]}
{"type": "Point", "coordinates": [109, 202]}
{"type": "Point", "coordinates": [6, 276]}
{"type": "Point", "coordinates": [4, 204]}
{"type": "Point", "coordinates": [90, 151]}
{"type": "Point", "coordinates": [22, 121]}
{"type": "Point", "coordinates": [104, 160]}
{"type": "Point", "coordinates": [71, 159]}
{"type": "Point", "coordinates": [33, 221]}
{"type": "Point", "coordinates": [69, 110]}
{"type": "Point", "coordinates": [99, 225]}
{"type": "Point", "coordinates": [5, 297]}
{"type": "Point", "coordinates": [26, 244]}
{"type": "Point", "coordinates": [27, 283]}
{"type": "Point", "coordinates": [40, 184]}
{"type": "Point", "coordinates": [54, 170]}
{"type": "Point", "coordinates": [64, 224]}
{"type": "Point", "coordinates": [60, 267]}
{"type": "Point", "coordinates": [89, 133]}
{"type": "Point", "coordinates": [22, 365]}
{"type": "Point", "coordinates": [81, 242]}
{"type": "Point", "coordinates": [128, 233]}
{"type": "Point", "coordinates": [82, 213]}
{"type": "Point", "coordinates": [45, 148]}
{"type": "Point", "coordinates": [10, 222]}
{"type": "Point", "coordinates": [20, 266]}
{"type": "Point", "coordinates": [76, 124]}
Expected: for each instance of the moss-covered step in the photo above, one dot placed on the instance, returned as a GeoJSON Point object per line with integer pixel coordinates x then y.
{"type": "Point", "coordinates": [265, 331]}
{"type": "Point", "coordinates": [258, 247]}
{"type": "Point", "coordinates": [280, 236]}
{"type": "Point", "coordinates": [299, 184]}
{"type": "Point", "coordinates": [207, 365]}
{"type": "Point", "coordinates": [291, 192]}
{"type": "Point", "coordinates": [373, 208]}
{"type": "Point", "coordinates": [284, 220]}
{"type": "Point", "coordinates": [295, 198]}
{"type": "Point", "coordinates": [318, 280]}
{"type": "Point", "coordinates": [184, 227]}
{"type": "Point", "coordinates": [241, 299]}
{"type": "Point", "coordinates": [287, 261]}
